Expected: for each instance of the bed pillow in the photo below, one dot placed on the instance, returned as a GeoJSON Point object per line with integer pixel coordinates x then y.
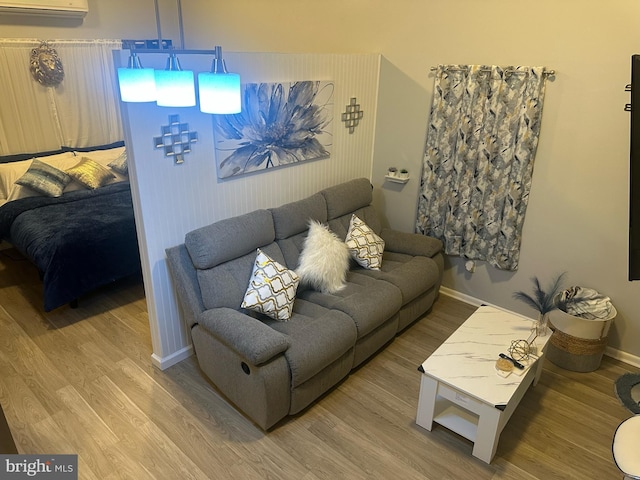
{"type": "Point", "coordinates": [11, 171]}
{"type": "Point", "coordinates": [272, 288]}
{"type": "Point", "coordinates": [324, 260]}
{"type": "Point", "coordinates": [90, 173]}
{"type": "Point", "coordinates": [364, 245]}
{"type": "Point", "coordinates": [44, 179]}
{"type": "Point", "coordinates": [119, 164]}
{"type": "Point", "coordinates": [106, 158]}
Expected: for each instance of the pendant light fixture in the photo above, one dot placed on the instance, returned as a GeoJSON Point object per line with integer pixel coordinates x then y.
{"type": "Point", "coordinates": [137, 84]}
{"type": "Point", "coordinates": [219, 90]}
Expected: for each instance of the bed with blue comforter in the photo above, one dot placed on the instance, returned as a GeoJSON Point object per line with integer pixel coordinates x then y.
{"type": "Point", "coordinates": [79, 241]}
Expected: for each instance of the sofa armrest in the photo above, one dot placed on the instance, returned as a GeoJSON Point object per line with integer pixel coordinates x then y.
{"type": "Point", "coordinates": [185, 281]}
{"type": "Point", "coordinates": [410, 243]}
{"type": "Point", "coordinates": [252, 339]}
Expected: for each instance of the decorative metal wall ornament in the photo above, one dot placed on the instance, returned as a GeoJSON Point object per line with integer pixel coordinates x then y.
{"type": "Point", "coordinates": [176, 139]}
{"type": "Point", "coordinates": [352, 116]}
{"type": "Point", "coordinates": [46, 67]}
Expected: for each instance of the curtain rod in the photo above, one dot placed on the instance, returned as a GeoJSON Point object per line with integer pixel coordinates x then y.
{"type": "Point", "coordinates": [487, 69]}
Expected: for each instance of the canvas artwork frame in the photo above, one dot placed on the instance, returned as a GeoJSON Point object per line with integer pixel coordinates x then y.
{"type": "Point", "coordinates": [281, 124]}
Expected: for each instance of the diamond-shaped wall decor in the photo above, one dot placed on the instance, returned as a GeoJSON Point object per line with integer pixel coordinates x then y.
{"type": "Point", "coordinates": [351, 117]}
{"type": "Point", "coordinates": [175, 139]}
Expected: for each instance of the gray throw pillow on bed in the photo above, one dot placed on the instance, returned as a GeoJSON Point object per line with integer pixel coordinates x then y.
{"type": "Point", "coordinates": [120, 164]}
{"type": "Point", "coordinates": [44, 179]}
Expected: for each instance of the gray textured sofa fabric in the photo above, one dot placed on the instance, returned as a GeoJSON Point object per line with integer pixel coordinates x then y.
{"type": "Point", "coordinates": [270, 369]}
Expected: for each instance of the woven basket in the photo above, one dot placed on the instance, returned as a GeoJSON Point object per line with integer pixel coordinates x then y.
{"type": "Point", "coordinates": [573, 352]}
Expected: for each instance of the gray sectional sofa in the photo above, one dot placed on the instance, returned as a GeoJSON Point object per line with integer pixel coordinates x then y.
{"type": "Point", "coordinates": [270, 369]}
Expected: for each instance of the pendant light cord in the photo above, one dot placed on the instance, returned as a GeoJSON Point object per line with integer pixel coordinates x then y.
{"type": "Point", "coordinates": [180, 24]}
{"type": "Point", "coordinates": [158, 28]}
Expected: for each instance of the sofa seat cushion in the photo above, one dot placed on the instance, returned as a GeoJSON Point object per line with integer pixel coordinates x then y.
{"type": "Point", "coordinates": [412, 275]}
{"type": "Point", "coordinates": [368, 302]}
{"type": "Point", "coordinates": [317, 337]}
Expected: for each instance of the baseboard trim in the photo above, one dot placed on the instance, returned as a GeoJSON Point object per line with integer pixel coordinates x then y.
{"type": "Point", "coordinates": [165, 362]}
{"type": "Point", "coordinates": [610, 351]}
{"type": "Point", "coordinates": [623, 356]}
{"type": "Point", "coordinates": [463, 297]}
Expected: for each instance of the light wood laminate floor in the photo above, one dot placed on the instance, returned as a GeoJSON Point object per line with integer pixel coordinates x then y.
{"type": "Point", "coordinates": [81, 381]}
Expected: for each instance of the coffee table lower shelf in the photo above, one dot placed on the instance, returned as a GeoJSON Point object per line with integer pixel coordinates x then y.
{"type": "Point", "coordinates": [456, 419]}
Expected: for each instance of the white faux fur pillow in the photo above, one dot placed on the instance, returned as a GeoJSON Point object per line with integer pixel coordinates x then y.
{"type": "Point", "coordinates": [324, 260]}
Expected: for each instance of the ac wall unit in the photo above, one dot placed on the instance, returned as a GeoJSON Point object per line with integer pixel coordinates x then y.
{"type": "Point", "coordinates": [49, 8]}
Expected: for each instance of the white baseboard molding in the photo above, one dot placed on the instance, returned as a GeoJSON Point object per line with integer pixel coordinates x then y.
{"type": "Point", "coordinates": [463, 297]}
{"type": "Point", "coordinates": [610, 351]}
{"type": "Point", "coordinates": [623, 356]}
{"type": "Point", "coordinates": [165, 362]}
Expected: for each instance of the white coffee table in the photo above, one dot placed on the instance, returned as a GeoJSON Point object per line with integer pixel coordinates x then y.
{"type": "Point", "coordinates": [460, 387]}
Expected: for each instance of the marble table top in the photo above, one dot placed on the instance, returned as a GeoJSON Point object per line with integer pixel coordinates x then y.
{"type": "Point", "coordinates": [466, 360]}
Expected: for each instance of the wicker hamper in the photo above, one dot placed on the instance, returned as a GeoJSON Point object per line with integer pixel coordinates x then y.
{"type": "Point", "coordinates": [577, 344]}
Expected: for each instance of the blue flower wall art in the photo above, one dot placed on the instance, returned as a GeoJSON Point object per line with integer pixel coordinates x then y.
{"type": "Point", "coordinates": [280, 124]}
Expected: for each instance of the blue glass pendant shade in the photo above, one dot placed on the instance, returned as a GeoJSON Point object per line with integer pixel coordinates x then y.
{"type": "Point", "coordinates": [219, 93]}
{"type": "Point", "coordinates": [219, 90]}
{"type": "Point", "coordinates": [174, 86]}
{"type": "Point", "coordinates": [137, 84]}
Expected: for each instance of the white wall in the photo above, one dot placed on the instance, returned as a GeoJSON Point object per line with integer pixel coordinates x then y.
{"type": "Point", "coordinates": [172, 199]}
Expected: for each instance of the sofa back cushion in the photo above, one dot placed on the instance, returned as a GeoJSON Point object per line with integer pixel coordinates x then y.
{"type": "Point", "coordinates": [225, 284]}
{"type": "Point", "coordinates": [291, 222]}
{"type": "Point", "coordinates": [224, 252]}
{"type": "Point", "coordinates": [292, 248]}
{"type": "Point", "coordinates": [368, 214]}
{"type": "Point", "coordinates": [230, 238]}
{"type": "Point", "coordinates": [293, 218]}
{"type": "Point", "coordinates": [347, 197]}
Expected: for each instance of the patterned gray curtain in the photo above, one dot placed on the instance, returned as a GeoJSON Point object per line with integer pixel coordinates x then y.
{"type": "Point", "coordinates": [481, 144]}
